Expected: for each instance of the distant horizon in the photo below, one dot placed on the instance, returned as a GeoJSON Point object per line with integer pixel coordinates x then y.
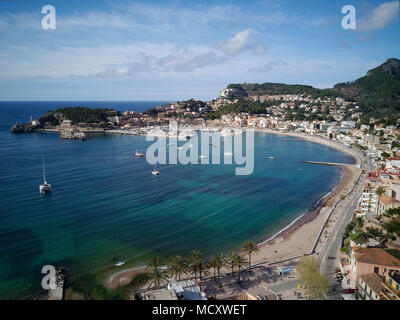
{"type": "Point", "coordinates": [186, 98]}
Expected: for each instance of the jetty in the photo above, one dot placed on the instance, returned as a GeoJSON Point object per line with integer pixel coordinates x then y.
{"type": "Point", "coordinates": [58, 292]}
{"type": "Point", "coordinates": [333, 164]}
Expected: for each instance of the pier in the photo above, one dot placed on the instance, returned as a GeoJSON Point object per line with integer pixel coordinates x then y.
{"type": "Point", "coordinates": [332, 164]}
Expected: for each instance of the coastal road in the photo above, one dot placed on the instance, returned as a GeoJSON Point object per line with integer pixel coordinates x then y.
{"type": "Point", "coordinates": [329, 257]}
{"type": "Point", "coordinates": [330, 254]}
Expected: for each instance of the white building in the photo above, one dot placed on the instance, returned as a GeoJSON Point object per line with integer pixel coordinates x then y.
{"type": "Point", "coordinates": [369, 201]}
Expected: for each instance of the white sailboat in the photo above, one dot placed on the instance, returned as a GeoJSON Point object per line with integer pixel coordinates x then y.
{"type": "Point", "coordinates": [155, 172]}
{"type": "Point", "coordinates": [45, 187]}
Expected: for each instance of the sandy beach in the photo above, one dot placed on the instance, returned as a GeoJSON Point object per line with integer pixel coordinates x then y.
{"type": "Point", "coordinates": [299, 238]}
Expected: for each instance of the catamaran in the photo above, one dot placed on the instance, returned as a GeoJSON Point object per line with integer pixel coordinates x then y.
{"type": "Point", "coordinates": [45, 187]}
{"type": "Point", "coordinates": [155, 172]}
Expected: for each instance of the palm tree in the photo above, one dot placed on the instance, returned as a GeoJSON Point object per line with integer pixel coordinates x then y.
{"type": "Point", "coordinates": [230, 261]}
{"type": "Point", "coordinates": [250, 247]}
{"type": "Point", "coordinates": [195, 258]}
{"type": "Point", "coordinates": [240, 261]}
{"type": "Point", "coordinates": [158, 277]}
{"type": "Point", "coordinates": [380, 191]}
{"type": "Point", "coordinates": [176, 266]}
{"type": "Point", "coordinates": [154, 263]}
{"type": "Point", "coordinates": [213, 264]}
{"type": "Point", "coordinates": [220, 261]}
{"type": "Point", "coordinates": [202, 266]}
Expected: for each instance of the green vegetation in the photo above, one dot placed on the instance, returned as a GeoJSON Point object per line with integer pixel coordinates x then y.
{"type": "Point", "coordinates": [151, 112]}
{"type": "Point", "coordinates": [315, 283]}
{"type": "Point", "coordinates": [393, 226]}
{"type": "Point", "coordinates": [78, 114]}
{"type": "Point", "coordinates": [194, 105]}
{"type": "Point", "coordinates": [394, 252]}
{"type": "Point", "coordinates": [375, 233]}
{"type": "Point", "coordinates": [250, 247]}
{"type": "Point", "coordinates": [269, 88]}
{"type": "Point", "coordinates": [392, 212]}
{"type": "Point", "coordinates": [194, 265]}
{"type": "Point", "coordinates": [378, 93]}
{"type": "Point", "coordinates": [89, 288]}
{"type": "Point", "coordinates": [252, 107]}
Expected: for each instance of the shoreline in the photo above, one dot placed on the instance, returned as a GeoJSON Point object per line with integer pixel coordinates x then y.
{"type": "Point", "coordinates": [295, 239]}
{"type": "Point", "coordinates": [298, 238]}
{"type": "Point", "coordinates": [313, 211]}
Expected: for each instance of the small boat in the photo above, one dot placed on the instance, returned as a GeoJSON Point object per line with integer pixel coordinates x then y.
{"type": "Point", "coordinates": [228, 153]}
{"type": "Point", "coordinates": [45, 187]}
{"type": "Point", "coordinates": [203, 157]}
{"type": "Point", "coordinates": [179, 148]}
{"type": "Point", "coordinates": [139, 154]}
{"type": "Point", "coordinates": [300, 169]}
{"type": "Point", "coordinates": [272, 158]}
{"type": "Point", "coordinates": [120, 263]}
{"type": "Point", "coordinates": [155, 172]}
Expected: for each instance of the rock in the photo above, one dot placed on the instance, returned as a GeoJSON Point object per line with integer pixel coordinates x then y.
{"type": "Point", "coordinates": [21, 128]}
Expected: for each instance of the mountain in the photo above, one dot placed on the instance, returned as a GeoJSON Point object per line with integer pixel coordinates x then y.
{"type": "Point", "coordinates": [271, 88]}
{"type": "Point", "coordinates": [378, 92]}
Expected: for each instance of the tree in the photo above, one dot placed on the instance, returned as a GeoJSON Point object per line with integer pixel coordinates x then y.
{"type": "Point", "coordinates": [158, 277]}
{"type": "Point", "coordinates": [316, 284]}
{"type": "Point", "coordinates": [380, 191]}
{"type": "Point", "coordinates": [230, 261]}
{"type": "Point", "coordinates": [240, 261]}
{"type": "Point", "coordinates": [202, 267]}
{"type": "Point", "coordinates": [154, 263]}
{"type": "Point", "coordinates": [250, 247]}
{"type": "Point", "coordinates": [176, 266]}
{"type": "Point", "coordinates": [213, 264]}
{"type": "Point", "coordinates": [220, 261]}
{"type": "Point", "coordinates": [195, 258]}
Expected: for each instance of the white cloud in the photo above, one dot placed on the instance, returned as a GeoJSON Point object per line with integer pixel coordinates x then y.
{"type": "Point", "coordinates": [243, 41]}
{"type": "Point", "coordinates": [379, 17]}
{"type": "Point", "coordinates": [96, 20]}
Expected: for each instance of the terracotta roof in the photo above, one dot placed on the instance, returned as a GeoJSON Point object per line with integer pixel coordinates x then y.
{"type": "Point", "coordinates": [376, 256]}
{"type": "Point", "coordinates": [374, 281]}
{"type": "Point", "coordinates": [386, 199]}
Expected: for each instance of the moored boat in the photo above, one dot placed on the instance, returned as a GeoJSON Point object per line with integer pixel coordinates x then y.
{"type": "Point", "coordinates": [45, 187]}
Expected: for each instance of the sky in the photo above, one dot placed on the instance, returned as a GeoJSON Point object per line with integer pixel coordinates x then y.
{"type": "Point", "coordinates": [176, 50]}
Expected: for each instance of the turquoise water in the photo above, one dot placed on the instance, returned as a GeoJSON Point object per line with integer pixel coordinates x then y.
{"type": "Point", "coordinates": [106, 203]}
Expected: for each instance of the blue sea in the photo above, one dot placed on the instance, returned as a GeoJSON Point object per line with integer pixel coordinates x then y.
{"type": "Point", "coordinates": [106, 204]}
